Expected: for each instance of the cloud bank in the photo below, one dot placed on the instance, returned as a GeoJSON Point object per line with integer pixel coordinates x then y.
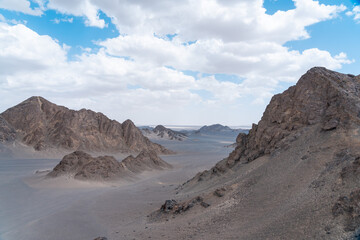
{"type": "Point", "coordinates": [141, 73]}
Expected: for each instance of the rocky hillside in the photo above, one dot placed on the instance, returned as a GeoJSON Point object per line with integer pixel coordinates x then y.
{"type": "Point", "coordinates": [146, 160]}
{"type": "Point", "coordinates": [164, 133]}
{"type": "Point", "coordinates": [294, 176]}
{"type": "Point", "coordinates": [7, 132]}
{"type": "Point", "coordinates": [43, 125]}
{"type": "Point", "coordinates": [83, 166]}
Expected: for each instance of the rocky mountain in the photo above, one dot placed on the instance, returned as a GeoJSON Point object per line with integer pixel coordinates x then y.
{"type": "Point", "coordinates": [43, 125]}
{"type": "Point", "coordinates": [295, 175]}
{"type": "Point", "coordinates": [83, 166]}
{"type": "Point", "coordinates": [162, 132]}
{"type": "Point", "coordinates": [218, 129]}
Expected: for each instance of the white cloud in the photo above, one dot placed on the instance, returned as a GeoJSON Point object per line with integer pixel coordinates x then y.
{"type": "Point", "coordinates": [355, 13]}
{"type": "Point", "coordinates": [58, 20]}
{"type": "Point", "coordinates": [21, 6]}
{"type": "Point", "coordinates": [139, 73]}
{"type": "Point", "coordinates": [80, 8]}
{"type": "Point", "coordinates": [203, 19]}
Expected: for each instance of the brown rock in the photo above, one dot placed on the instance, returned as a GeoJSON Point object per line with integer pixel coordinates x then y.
{"type": "Point", "coordinates": [146, 160]}
{"type": "Point", "coordinates": [83, 166]}
{"type": "Point", "coordinates": [349, 208]}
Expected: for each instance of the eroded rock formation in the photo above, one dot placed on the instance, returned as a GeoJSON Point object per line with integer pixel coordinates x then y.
{"type": "Point", "coordinates": [83, 166]}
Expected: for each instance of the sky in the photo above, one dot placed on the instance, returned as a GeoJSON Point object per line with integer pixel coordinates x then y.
{"type": "Point", "coordinates": [184, 62]}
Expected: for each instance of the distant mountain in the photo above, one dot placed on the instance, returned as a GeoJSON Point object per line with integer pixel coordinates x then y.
{"type": "Point", "coordinates": [83, 166]}
{"type": "Point", "coordinates": [43, 125]}
{"type": "Point", "coordinates": [162, 132]}
{"type": "Point", "coordinates": [218, 129]}
{"type": "Point", "coordinates": [214, 128]}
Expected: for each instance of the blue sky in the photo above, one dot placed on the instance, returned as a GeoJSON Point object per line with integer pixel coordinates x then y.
{"type": "Point", "coordinates": [212, 61]}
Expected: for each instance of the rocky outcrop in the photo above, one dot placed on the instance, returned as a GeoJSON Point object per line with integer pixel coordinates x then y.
{"type": "Point", "coordinates": [348, 208]}
{"type": "Point", "coordinates": [44, 125]}
{"type": "Point", "coordinates": [321, 97]}
{"type": "Point", "coordinates": [174, 208]}
{"type": "Point", "coordinates": [83, 166]}
{"type": "Point", "coordinates": [146, 160]}
{"type": "Point", "coordinates": [164, 133]}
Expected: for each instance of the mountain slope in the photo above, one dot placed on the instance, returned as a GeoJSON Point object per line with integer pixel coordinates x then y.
{"type": "Point", "coordinates": [7, 132]}
{"type": "Point", "coordinates": [165, 133]}
{"type": "Point", "coordinates": [294, 176]}
{"type": "Point", "coordinates": [44, 125]}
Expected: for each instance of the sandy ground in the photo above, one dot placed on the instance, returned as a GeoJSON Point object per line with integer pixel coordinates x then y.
{"type": "Point", "coordinates": [32, 207]}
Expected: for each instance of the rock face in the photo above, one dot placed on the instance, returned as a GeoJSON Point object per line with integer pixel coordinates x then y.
{"type": "Point", "coordinates": [146, 160]}
{"type": "Point", "coordinates": [295, 175]}
{"type": "Point", "coordinates": [44, 125]}
{"type": "Point", "coordinates": [165, 133]}
{"type": "Point", "coordinates": [83, 166]}
{"type": "Point", "coordinates": [7, 132]}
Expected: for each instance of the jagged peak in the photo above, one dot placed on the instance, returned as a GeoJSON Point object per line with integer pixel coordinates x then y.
{"type": "Point", "coordinates": [128, 122]}
{"type": "Point", "coordinates": [317, 74]}
{"type": "Point", "coordinates": [160, 128]}
{"type": "Point", "coordinates": [36, 99]}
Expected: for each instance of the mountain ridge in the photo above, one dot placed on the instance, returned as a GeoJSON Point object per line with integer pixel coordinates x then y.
{"type": "Point", "coordinates": [44, 125]}
{"type": "Point", "coordinates": [164, 133]}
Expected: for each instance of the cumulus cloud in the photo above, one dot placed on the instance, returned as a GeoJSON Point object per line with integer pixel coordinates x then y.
{"type": "Point", "coordinates": [22, 6]}
{"type": "Point", "coordinates": [355, 13]}
{"type": "Point", "coordinates": [143, 68]}
{"type": "Point", "coordinates": [80, 8]}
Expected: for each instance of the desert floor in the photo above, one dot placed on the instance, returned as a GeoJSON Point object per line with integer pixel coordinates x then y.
{"type": "Point", "coordinates": [32, 207]}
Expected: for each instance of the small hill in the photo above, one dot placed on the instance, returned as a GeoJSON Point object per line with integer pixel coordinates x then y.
{"type": "Point", "coordinates": [44, 126]}
{"type": "Point", "coordinates": [83, 166]}
{"type": "Point", "coordinates": [145, 161]}
{"type": "Point", "coordinates": [214, 128]}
